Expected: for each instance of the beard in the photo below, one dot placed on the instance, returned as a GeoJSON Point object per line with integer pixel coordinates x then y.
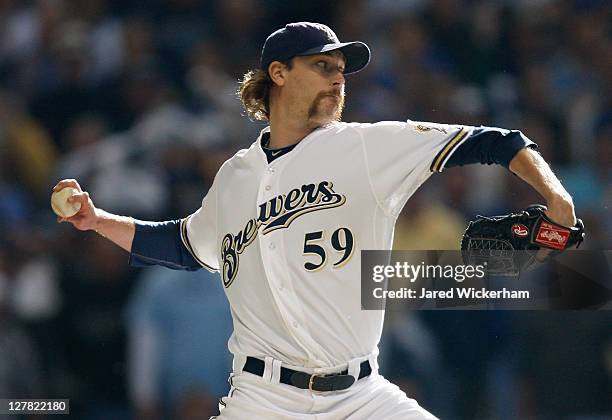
{"type": "Point", "coordinates": [326, 107]}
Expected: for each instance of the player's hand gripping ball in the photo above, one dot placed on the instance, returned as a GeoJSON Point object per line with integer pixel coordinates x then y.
{"type": "Point", "coordinates": [60, 204]}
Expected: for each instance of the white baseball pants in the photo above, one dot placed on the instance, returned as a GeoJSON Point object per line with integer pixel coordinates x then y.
{"type": "Point", "coordinates": [262, 398]}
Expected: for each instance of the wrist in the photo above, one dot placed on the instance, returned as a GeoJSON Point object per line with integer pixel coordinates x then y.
{"type": "Point", "coordinates": [561, 210]}
{"type": "Point", "coordinates": [563, 201]}
{"type": "Point", "coordinates": [99, 217]}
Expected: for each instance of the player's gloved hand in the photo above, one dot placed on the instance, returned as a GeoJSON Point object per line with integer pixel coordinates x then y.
{"type": "Point", "coordinates": [561, 211]}
{"type": "Point", "coordinates": [504, 241]}
{"type": "Point", "coordinates": [87, 217]}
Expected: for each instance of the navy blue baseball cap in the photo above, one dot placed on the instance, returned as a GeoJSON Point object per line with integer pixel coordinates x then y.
{"type": "Point", "coordinates": [307, 38]}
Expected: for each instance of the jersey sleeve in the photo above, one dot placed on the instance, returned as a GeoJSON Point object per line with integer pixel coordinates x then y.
{"type": "Point", "coordinates": [400, 156]}
{"type": "Point", "coordinates": [488, 146]}
{"type": "Point", "coordinates": [199, 231]}
{"type": "Point", "coordinates": [159, 243]}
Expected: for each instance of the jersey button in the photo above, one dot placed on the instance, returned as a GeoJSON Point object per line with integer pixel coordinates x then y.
{"type": "Point", "coordinates": [268, 187]}
{"type": "Point", "coordinates": [295, 324]}
{"type": "Point", "coordinates": [271, 170]}
{"type": "Point", "coordinates": [281, 288]}
{"type": "Point", "coordinates": [272, 246]}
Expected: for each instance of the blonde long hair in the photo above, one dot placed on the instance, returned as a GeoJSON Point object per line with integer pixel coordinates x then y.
{"type": "Point", "coordinates": [254, 93]}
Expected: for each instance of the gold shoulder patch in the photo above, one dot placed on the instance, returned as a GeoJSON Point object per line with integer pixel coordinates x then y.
{"type": "Point", "coordinates": [428, 127]}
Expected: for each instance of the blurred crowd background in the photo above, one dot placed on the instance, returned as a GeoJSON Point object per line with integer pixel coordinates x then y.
{"type": "Point", "coordinates": [136, 100]}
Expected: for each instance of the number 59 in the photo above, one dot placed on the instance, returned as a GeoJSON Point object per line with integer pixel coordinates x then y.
{"type": "Point", "coordinates": [341, 241]}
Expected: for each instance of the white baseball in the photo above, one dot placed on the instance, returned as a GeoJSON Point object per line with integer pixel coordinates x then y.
{"type": "Point", "coordinates": [60, 204]}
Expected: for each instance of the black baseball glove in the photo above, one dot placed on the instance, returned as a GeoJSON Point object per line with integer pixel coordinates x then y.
{"type": "Point", "coordinates": [509, 243]}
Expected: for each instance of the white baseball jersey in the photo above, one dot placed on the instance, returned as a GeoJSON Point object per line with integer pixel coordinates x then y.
{"type": "Point", "coordinates": [286, 236]}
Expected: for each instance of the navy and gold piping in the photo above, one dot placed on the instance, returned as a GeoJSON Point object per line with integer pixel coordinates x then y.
{"type": "Point", "coordinates": [437, 164]}
{"type": "Point", "coordinates": [190, 248]}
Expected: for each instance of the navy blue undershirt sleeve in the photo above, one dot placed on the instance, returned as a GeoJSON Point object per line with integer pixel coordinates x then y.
{"type": "Point", "coordinates": [159, 243]}
{"type": "Point", "coordinates": [489, 145]}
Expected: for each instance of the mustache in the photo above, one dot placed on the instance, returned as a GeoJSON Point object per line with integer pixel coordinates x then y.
{"type": "Point", "coordinates": [336, 93]}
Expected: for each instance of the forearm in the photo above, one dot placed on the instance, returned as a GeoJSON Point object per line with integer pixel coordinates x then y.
{"type": "Point", "coordinates": [529, 165]}
{"type": "Point", "coordinates": [118, 229]}
{"type": "Point", "coordinates": [149, 243]}
{"type": "Point", "coordinates": [533, 169]}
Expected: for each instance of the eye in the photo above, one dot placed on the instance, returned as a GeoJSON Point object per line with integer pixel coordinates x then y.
{"type": "Point", "coordinates": [322, 64]}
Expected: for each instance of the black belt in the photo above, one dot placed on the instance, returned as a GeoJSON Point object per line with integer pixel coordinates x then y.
{"type": "Point", "coordinates": [314, 382]}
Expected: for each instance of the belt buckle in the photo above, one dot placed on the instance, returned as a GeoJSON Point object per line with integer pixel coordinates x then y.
{"type": "Point", "coordinates": [311, 382]}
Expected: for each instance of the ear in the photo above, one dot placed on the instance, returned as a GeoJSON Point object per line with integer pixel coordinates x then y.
{"type": "Point", "coordinates": [277, 72]}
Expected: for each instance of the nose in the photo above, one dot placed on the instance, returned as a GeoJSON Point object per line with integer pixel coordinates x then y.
{"type": "Point", "coordinates": [338, 79]}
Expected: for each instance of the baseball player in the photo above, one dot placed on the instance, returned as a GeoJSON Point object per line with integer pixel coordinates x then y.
{"type": "Point", "coordinates": [285, 220]}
